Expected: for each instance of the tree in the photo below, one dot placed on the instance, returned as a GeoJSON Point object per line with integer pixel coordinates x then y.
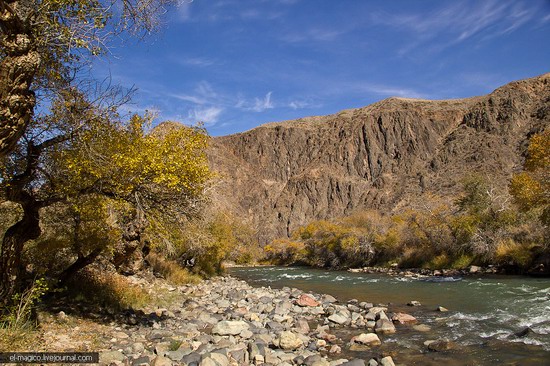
{"type": "Point", "coordinates": [531, 187]}
{"type": "Point", "coordinates": [43, 43]}
{"type": "Point", "coordinates": [88, 159]}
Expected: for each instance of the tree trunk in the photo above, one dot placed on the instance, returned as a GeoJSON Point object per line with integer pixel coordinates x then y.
{"type": "Point", "coordinates": [16, 236]}
{"type": "Point", "coordinates": [80, 263]}
{"type": "Point", "coordinates": [129, 257]}
{"type": "Point", "coordinates": [18, 67]}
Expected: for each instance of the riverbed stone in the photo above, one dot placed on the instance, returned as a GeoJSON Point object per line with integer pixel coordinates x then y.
{"type": "Point", "coordinates": [474, 269]}
{"type": "Point", "coordinates": [161, 361]}
{"type": "Point", "coordinates": [141, 361]}
{"type": "Point", "coordinates": [307, 300]}
{"type": "Point", "coordinates": [357, 347]}
{"type": "Point", "coordinates": [370, 339]}
{"type": "Point", "coordinates": [111, 356]}
{"type": "Point", "coordinates": [354, 362]}
{"type": "Point", "coordinates": [192, 358]}
{"type": "Point", "coordinates": [422, 328]}
{"type": "Point", "coordinates": [302, 326]}
{"type": "Point", "coordinates": [439, 345]}
{"type": "Point", "coordinates": [384, 326]}
{"type": "Point", "coordinates": [246, 334]}
{"type": "Point", "coordinates": [220, 358]}
{"type": "Point", "coordinates": [138, 347]}
{"type": "Point", "coordinates": [229, 327]}
{"type": "Point", "coordinates": [256, 348]}
{"type": "Point", "coordinates": [176, 355]}
{"type": "Point", "coordinates": [289, 341]}
{"type": "Point", "coordinates": [387, 361]}
{"type": "Point", "coordinates": [403, 318]}
{"type": "Point", "coordinates": [328, 299]}
{"type": "Point", "coordinates": [339, 318]}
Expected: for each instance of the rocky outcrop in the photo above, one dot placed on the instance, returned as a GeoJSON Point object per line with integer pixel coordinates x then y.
{"type": "Point", "coordinates": [385, 156]}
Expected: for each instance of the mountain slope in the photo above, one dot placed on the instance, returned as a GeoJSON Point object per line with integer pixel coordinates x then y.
{"type": "Point", "coordinates": [282, 175]}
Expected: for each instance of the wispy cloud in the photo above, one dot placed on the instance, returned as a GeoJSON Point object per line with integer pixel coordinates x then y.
{"type": "Point", "coordinates": [316, 34]}
{"type": "Point", "coordinates": [204, 93]}
{"type": "Point", "coordinates": [209, 116]}
{"type": "Point", "coordinates": [184, 10]}
{"type": "Point", "coordinates": [198, 61]}
{"type": "Point", "coordinates": [461, 21]}
{"type": "Point", "coordinates": [303, 104]}
{"type": "Point", "coordinates": [231, 10]}
{"type": "Point", "coordinates": [259, 105]}
{"type": "Point", "coordinates": [390, 91]}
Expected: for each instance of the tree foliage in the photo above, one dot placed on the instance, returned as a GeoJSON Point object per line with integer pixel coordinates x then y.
{"type": "Point", "coordinates": [531, 187]}
{"type": "Point", "coordinates": [101, 177]}
{"type": "Point", "coordinates": [45, 43]}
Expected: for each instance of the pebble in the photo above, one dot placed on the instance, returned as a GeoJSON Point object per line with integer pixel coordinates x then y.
{"type": "Point", "coordinates": [226, 322]}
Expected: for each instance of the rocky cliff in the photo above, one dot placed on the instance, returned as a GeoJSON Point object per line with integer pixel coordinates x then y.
{"type": "Point", "coordinates": [282, 175]}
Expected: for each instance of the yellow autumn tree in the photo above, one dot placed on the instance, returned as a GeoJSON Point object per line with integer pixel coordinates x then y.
{"type": "Point", "coordinates": [149, 179]}
{"type": "Point", "coordinates": [531, 187]}
{"type": "Point", "coordinates": [104, 175]}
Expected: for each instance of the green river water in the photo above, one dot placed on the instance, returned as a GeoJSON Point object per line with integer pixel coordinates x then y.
{"type": "Point", "coordinates": [484, 313]}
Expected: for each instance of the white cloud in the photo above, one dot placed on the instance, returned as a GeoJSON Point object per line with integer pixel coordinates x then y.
{"type": "Point", "coordinates": [209, 116]}
{"type": "Point", "coordinates": [261, 105]}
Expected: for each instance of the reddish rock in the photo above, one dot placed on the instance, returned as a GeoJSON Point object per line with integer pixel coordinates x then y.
{"type": "Point", "coordinates": [403, 318]}
{"type": "Point", "coordinates": [306, 300]}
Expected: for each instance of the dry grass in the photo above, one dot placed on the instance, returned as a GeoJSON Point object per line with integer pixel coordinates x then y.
{"type": "Point", "coordinates": [18, 339]}
{"type": "Point", "coordinates": [171, 271]}
{"type": "Point", "coordinates": [108, 289]}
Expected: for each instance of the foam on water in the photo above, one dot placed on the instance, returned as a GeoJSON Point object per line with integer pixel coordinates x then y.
{"type": "Point", "coordinates": [295, 276]}
{"type": "Point", "coordinates": [440, 279]}
{"type": "Point", "coordinates": [480, 308]}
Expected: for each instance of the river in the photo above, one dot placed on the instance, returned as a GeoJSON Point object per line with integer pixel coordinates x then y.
{"type": "Point", "coordinates": [484, 313]}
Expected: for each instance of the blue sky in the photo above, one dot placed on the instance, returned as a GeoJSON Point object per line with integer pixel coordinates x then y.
{"type": "Point", "coordinates": [236, 64]}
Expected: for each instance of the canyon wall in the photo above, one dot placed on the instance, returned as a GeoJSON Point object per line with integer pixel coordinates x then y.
{"type": "Point", "coordinates": [384, 156]}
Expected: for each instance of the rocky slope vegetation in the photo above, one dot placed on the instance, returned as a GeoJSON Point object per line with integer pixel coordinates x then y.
{"type": "Point", "coordinates": [384, 156]}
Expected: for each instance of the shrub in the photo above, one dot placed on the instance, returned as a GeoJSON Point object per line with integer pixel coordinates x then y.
{"type": "Point", "coordinates": [463, 261]}
{"type": "Point", "coordinates": [509, 252]}
{"type": "Point", "coordinates": [285, 251]}
{"type": "Point", "coordinates": [18, 314]}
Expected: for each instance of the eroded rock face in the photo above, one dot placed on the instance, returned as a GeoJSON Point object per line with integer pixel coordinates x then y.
{"type": "Point", "coordinates": [384, 156]}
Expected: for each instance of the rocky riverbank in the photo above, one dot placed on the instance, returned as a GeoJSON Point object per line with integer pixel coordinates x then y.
{"type": "Point", "coordinates": [424, 272]}
{"type": "Point", "coordinates": [225, 321]}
